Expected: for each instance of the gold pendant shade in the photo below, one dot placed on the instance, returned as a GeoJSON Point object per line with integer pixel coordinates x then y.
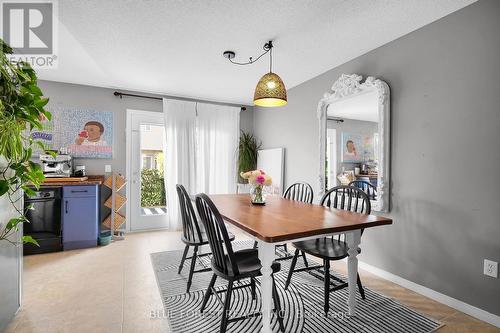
{"type": "Point", "coordinates": [270, 91]}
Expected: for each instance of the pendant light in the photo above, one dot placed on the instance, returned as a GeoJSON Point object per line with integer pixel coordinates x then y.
{"type": "Point", "coordinates": [270, 90]}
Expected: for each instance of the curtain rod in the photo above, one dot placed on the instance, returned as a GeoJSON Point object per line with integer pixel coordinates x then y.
{"type": "Point", "coordinates": [120, 94]}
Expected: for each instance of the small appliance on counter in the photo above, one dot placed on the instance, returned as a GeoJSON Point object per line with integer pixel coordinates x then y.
{"type": "Point", "coordinates": [80, 171]}
{"type": "Point", "coordinates": [59, 166]}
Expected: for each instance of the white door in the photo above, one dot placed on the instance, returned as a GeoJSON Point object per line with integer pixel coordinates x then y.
{"type": "Point", "coordinates": [145, 169]}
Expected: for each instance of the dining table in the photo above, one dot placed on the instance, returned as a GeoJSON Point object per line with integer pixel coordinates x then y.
{"type": "Point", "coordinates": [281, 221]}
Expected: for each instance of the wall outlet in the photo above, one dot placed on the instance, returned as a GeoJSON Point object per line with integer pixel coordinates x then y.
{"type": "Point", "coordinates": [107, 168]}
{"type": "Point", "coordinates": [491, 268]}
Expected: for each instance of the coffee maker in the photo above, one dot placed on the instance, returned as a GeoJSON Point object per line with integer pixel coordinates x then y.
{"type": "Point", "coordinates": [56, 166]}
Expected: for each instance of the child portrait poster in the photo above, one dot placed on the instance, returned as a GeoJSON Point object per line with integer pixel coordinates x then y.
{"type": "Point", "coordinates": [82, 132]}
{"type": "Point", "coordinates": [357, 148]}
{"type": "Point", "coordinates": [352, 147]}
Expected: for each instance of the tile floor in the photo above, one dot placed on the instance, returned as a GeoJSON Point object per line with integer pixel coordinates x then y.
{"type": "Point", "coordinates": [113, 289]}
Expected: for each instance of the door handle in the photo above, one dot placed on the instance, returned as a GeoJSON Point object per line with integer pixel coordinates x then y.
{"type": "Point", "coordinates": [79, 191]}
{"type": "Point", "coordinates": [66, 206]}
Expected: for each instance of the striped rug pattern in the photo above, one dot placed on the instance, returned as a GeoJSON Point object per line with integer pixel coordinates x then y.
{"type": "Point", "coordinates": [153, 210]}
{"type": "Point", "coordinates": [302, 303]}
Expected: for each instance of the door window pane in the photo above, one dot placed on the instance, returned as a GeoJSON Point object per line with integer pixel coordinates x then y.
{"type": "Point", "coordinates": [153, 198]}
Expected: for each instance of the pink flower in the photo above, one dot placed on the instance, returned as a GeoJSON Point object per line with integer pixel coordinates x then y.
{"type": "Point", "coordinates": [260, 179]}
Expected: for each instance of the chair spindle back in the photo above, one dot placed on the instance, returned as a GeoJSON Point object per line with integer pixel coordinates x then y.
{"type": "Point", "coordinates": [217, 234]}
{"type": "Point", "coordinates": [190, 227]}
{"type": "Point", "coordinates": [300, 191]}
{"type": "Point", "coordinates": [366, 187]}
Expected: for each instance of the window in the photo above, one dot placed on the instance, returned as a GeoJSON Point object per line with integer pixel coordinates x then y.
{"type": "Point", "coordinates": [147, 162]}
{"type": "Point", "coordinates": [145, 128]}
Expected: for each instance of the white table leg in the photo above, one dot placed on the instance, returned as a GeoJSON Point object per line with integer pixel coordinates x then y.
{"type": "Point", "coordinates": [353, 240]}
{"type": "Point", "coordinates": [266, 256]}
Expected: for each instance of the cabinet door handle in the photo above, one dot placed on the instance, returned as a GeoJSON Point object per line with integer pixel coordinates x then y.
{"type": "Point", "coordinates": [79, 191]}
{"type": "Point", "coordinates": [66, 206]}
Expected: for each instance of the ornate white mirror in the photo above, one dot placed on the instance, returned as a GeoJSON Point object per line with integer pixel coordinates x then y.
{"type": "Point", "coordinates": [354, 139]}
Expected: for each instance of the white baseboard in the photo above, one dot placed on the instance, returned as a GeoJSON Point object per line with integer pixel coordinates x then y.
{"type": "Point", "coordinates": [437, 296]}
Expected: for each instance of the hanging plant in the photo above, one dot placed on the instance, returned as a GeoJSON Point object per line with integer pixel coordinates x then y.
{"type": "Point", "coordinates": [247, 154]}
{"type": "Point", "coordinates": [21, 111]}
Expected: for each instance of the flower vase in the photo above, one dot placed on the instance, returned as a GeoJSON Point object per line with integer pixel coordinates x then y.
{"type": "Point", "coordinates": [257, 195]}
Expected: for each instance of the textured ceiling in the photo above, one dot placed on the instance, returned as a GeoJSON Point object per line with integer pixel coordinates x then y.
{"type": "Point", "coordinates": [174, 47]}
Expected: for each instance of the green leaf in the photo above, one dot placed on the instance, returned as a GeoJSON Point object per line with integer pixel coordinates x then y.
{"type": "Point", "coordinates": [47, 114]}
{"type": "Point", "coordinates": [40, 145]}
{"type": "Point", "coordinates": [13, 223]}
{"type": "Point", "coordinates": [4, 187]}
{"type": "Point", "coordinates": [41, 102]}
{"type": "Point", "coordinates": [30, 240]}
{"type": "Point", "coordinates": [28, 191]}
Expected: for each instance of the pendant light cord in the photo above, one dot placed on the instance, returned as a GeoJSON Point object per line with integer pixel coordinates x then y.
{"type": "Point", "coordinates": [268, 47]}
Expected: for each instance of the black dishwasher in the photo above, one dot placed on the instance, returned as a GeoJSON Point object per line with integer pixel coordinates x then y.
{"type": "Point", "coordinates": [45, 220]}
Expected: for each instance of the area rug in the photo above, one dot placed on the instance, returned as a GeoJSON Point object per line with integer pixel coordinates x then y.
{"type": "Point", "coordinates": [302, 303]}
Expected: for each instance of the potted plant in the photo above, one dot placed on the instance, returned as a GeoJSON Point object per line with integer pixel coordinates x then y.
{"type": "Point", "coordinates": [21, 111]}
{"type": "Point", "coordinates": [247, 154]}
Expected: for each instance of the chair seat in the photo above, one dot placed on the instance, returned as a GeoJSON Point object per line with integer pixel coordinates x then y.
{"type": "Point", "coordinates": [248, 264]}
{"type": "Point", "coordinates": [204, 239]}
{"type": "Point", "coordinates": [325, 248]}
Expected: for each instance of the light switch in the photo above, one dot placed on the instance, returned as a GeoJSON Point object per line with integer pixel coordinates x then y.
{"type": "Point", "coordinates": [107, 168]}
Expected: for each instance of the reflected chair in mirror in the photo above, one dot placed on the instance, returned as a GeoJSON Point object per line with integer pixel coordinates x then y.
{"type": "Point", "coordinates": [366, 187]}
{"type": "Point", "coordinates": [333, 247]}
{"type": "Point", "coordinates": [192, 234]}
{"type": "Point", "coordinates": [230, 265]}
{"type": "Point", "coordinates": [300, 191]}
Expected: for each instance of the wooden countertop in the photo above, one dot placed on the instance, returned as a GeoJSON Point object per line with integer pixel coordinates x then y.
{"type": "Point", "coordinates": [369, 175]}
{"type": "Point", "coordinates": [91, 180]}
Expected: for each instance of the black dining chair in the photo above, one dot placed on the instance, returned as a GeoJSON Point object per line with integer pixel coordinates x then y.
{"type": "Point", "coordinates": [300, 191]}
{"type": "Point", "coordinates": [230, 265]}
{"type": "Point", "coordinates": [366, 187]}
{"type": "Point", "coordinates": [192, 234]}
{"type": "Point", "coordinates": [334, 247]}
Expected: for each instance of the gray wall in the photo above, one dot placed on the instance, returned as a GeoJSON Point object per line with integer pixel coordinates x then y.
{"type": "Point", "coordinates": [445, 153]}
{"type": "Point", "coordinates": [10, 267]}
{"type": "Point", "coordinates": [102, 99]}
{"type": "Point", "coordinates": [10, 277]}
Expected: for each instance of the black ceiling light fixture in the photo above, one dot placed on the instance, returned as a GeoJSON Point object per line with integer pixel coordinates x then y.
{"type": "Point", "coordinates": [270, 90]}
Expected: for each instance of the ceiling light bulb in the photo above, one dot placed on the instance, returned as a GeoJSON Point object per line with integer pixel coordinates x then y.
{"type": "Point", "coordinates": [271, 84]}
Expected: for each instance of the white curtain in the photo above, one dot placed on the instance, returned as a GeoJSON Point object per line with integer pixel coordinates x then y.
{"type": "Point", "coordinates": [216, 145]}
{"type": "Point", "coordinates": [200, 151]}
{"type": "Point", "coordinates": [180, 131]}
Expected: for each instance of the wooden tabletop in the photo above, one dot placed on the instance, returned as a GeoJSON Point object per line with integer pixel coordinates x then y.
{"type": "Point", "coordinates": [285, 220]}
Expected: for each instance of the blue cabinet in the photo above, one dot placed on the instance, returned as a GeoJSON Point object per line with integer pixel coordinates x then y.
{"type": "Point", "coordinates": [80, 216]}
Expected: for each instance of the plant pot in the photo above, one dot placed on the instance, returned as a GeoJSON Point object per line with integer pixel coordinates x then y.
{"type": "Point", "coordinates": [104, 238]}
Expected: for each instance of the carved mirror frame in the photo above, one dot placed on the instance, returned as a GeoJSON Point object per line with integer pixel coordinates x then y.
{"type": "Point", "coordinates": [347, 86]}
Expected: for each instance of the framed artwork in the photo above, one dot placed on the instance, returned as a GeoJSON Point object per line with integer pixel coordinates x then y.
{"type": "Point", "coordinates": [81, 132]}
{"type": "Point", "coordinates": [358, 148]}
{"type": "Point", "coordinates": [352, 148]}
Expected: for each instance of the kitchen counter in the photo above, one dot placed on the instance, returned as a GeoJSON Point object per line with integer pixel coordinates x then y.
{"type": "Point", "coordinates": [92, 180]}
{"type": "Point", "coordinates": [369, 175]}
